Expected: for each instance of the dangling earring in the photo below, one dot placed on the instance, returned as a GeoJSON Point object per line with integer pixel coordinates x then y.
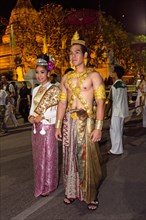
{"type": "Point", "coordinates": [85, 61]}
{"type": "Point", "coordinates": [71, 65]}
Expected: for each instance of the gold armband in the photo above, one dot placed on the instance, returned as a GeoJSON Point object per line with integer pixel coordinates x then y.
{"type": "Point", "coordinates": [58, 124]}
{"type": "Point", "coordinates": [62, 96]}
{"type": "Point", "coordinates": [98, 124]}
{"type": "Point", "coordinates": [100, 92]}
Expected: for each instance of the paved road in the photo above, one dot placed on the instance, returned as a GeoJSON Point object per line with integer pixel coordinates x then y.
{"type": "Point", "coordinates": [122, 194]}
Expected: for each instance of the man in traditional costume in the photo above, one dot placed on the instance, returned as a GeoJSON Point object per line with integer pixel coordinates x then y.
{"type": "Point", "coordinates": [43, 117]}
{"type": "Point", "coordinates": [82, 128]}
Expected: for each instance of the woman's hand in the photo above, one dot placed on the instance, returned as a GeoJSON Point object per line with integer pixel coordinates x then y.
{"type": "Point", "coordinates": [37, 119]}
{"type": "Point", "coordinates": [31, 119]}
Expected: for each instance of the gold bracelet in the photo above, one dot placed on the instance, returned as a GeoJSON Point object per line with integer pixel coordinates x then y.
{"type": "Point", "coordinates": [98, 124]}
{"type": "Point", "coordinates": [58, 124]}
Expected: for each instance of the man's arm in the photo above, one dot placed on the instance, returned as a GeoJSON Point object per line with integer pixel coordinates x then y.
{"type": "Point", "coordinates": [61, 108]}
{"type": "Point", "coordinates": [100, 96]}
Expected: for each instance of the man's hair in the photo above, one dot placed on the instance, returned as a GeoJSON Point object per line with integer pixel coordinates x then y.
{"type": "Point", "coordinates": [68, 70]}
{"type": "Point", "coordinates": [54, 75]}
{"type": "Point", "coordinates": [119, 70]}
{"type": "Point", "coordinates": [83, 48]}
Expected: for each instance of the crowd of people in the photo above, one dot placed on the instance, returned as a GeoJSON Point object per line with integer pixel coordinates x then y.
{"type": "Point", "coordinates": [13, 102]}
{"type": "Point", "coordinates": [66, 112]}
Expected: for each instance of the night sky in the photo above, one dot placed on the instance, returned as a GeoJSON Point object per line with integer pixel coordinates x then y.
{"type": "Point", "coordinates": [131, 13]}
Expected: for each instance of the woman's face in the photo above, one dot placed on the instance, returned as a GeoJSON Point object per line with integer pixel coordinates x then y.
{"type": "Point", "coordinates": [42, 75]}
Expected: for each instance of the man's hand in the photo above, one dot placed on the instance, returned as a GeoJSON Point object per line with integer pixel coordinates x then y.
{"type": "Point", "coordinates": [58, 134]}
{"type": "Point", "coordinates": [96, 135]}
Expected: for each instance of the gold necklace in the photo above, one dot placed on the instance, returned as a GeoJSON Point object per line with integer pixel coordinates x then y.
{"type": "Point", "coordinates": [41, 89]}
{"type": "Point", "coordinates": [77, 75]}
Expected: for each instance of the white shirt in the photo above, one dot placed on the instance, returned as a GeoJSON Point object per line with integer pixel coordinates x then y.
{"type": "Point", "coordinates": [3, 95]}
{"type": "Point", "coordinates": [119, 99]}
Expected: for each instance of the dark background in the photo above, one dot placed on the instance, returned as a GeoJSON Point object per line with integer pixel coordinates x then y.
{"type": "Point", "coordinates": [131, 13]}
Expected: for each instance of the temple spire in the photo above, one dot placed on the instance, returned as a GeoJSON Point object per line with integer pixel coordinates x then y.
{"type": "Point", "coordinates": [23, 4]}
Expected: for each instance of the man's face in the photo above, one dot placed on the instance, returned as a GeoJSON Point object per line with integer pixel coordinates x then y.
{"type": "Point", "coordinates": [76, 55]}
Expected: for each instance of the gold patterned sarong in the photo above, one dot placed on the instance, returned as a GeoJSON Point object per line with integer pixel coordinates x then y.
{"type": "Point", "coordinates": [81, 158]}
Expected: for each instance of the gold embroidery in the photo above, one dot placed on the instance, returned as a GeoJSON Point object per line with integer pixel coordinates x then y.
{"type": "Point", "coordinates": [41, 89]}
{"type": "Point", "coordinates": [76, 91]}
{"type": "Point", "coordinates": [100, 92]}
{"type": "Point", "coordinates": [49, 99]}
{"type": "Point", "coordinates": [74, 115]}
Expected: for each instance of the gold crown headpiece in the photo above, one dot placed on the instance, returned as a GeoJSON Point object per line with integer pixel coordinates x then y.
{"type": "Point", "coordinates": [75, 39]}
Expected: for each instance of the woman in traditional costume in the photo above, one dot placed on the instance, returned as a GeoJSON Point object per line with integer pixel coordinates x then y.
{"type": "Point", "coordinates": [43, 117]}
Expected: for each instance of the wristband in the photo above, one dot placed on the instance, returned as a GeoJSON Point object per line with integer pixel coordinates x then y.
{"type": "Point", "coordinates": [98, 124]}
{"type": "Point", "coordinates": [58, 124]}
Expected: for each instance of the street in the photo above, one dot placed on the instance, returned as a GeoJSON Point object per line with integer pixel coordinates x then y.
{"type": "Point", "coordinates": [122, 194]}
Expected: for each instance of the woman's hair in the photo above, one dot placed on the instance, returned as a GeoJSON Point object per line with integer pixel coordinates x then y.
{"type": "Point", "coordinates": [44, 57]}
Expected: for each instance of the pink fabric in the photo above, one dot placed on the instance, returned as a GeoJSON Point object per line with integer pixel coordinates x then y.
{"type": "Point", "coordinates": [45, 159]}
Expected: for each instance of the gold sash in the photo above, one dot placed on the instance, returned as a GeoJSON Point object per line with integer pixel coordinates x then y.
{"type": "Point", "coordinates": [49, 99]}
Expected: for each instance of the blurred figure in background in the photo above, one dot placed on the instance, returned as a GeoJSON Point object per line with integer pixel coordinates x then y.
{"type": "Point", "coordinates": [68, 70]}
{"type": "Point", "coordinates": [54, 80]}
{"type": "Point", "coordinates": [139, 95]}
{"type": "Point", "coordinates": [143, 91]}
{"type": "Point", "coordinates": [10, 108]}
{"type": "Point", "coordinates": [24, 101]}
{"type": "Point", "coordinates": [3, 102]}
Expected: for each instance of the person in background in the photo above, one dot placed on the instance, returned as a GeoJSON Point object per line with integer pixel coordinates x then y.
{"type": "Point", "coordinates": [138, 101]}
{"type": "Point", "coordinates": [119, 104]}
{"type": "Point", "coordinates": [54, 80]}
{"type": "Point", "coordinates": [43, 117]}
{"type": "Point", "coordinates": [23, 101]}
{"type": "Point", "coordinates": [10, 107]}
{"type": "Point", "coordinates": [3, 102]}
{"type": "Point", "coordinates": [16, 92]}
{"type": "Point", "coordinates": [82, 129]}
{"type": "Point", "coordinates": [68, 70]}
{"type": "Point", "coordinates": [143, 102]}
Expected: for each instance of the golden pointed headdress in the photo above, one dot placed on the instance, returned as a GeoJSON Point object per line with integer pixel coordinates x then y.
{"type": "Point", "coordinates": [76, 39]}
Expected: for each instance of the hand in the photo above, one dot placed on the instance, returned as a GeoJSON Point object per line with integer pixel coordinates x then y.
{"type": "Point", "coordinates": [37, 118]}
{"type": "Point", "coordinates": [58, 134]}
{"type": "Point", "coordinates": [31, 119]}
{"type": "Point", "coordinates": [96, 135]}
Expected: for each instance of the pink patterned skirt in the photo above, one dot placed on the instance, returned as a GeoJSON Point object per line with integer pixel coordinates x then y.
{"type": "Point", "coordinates": [45, 159]}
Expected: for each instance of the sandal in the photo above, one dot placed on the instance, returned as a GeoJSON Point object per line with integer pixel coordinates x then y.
{"type": "Point", "coordinates": [93, 205]}
{"type": "Point", "coordinates": [68, 201]}
{"type": "Point", "coordinates": [45, 194]}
